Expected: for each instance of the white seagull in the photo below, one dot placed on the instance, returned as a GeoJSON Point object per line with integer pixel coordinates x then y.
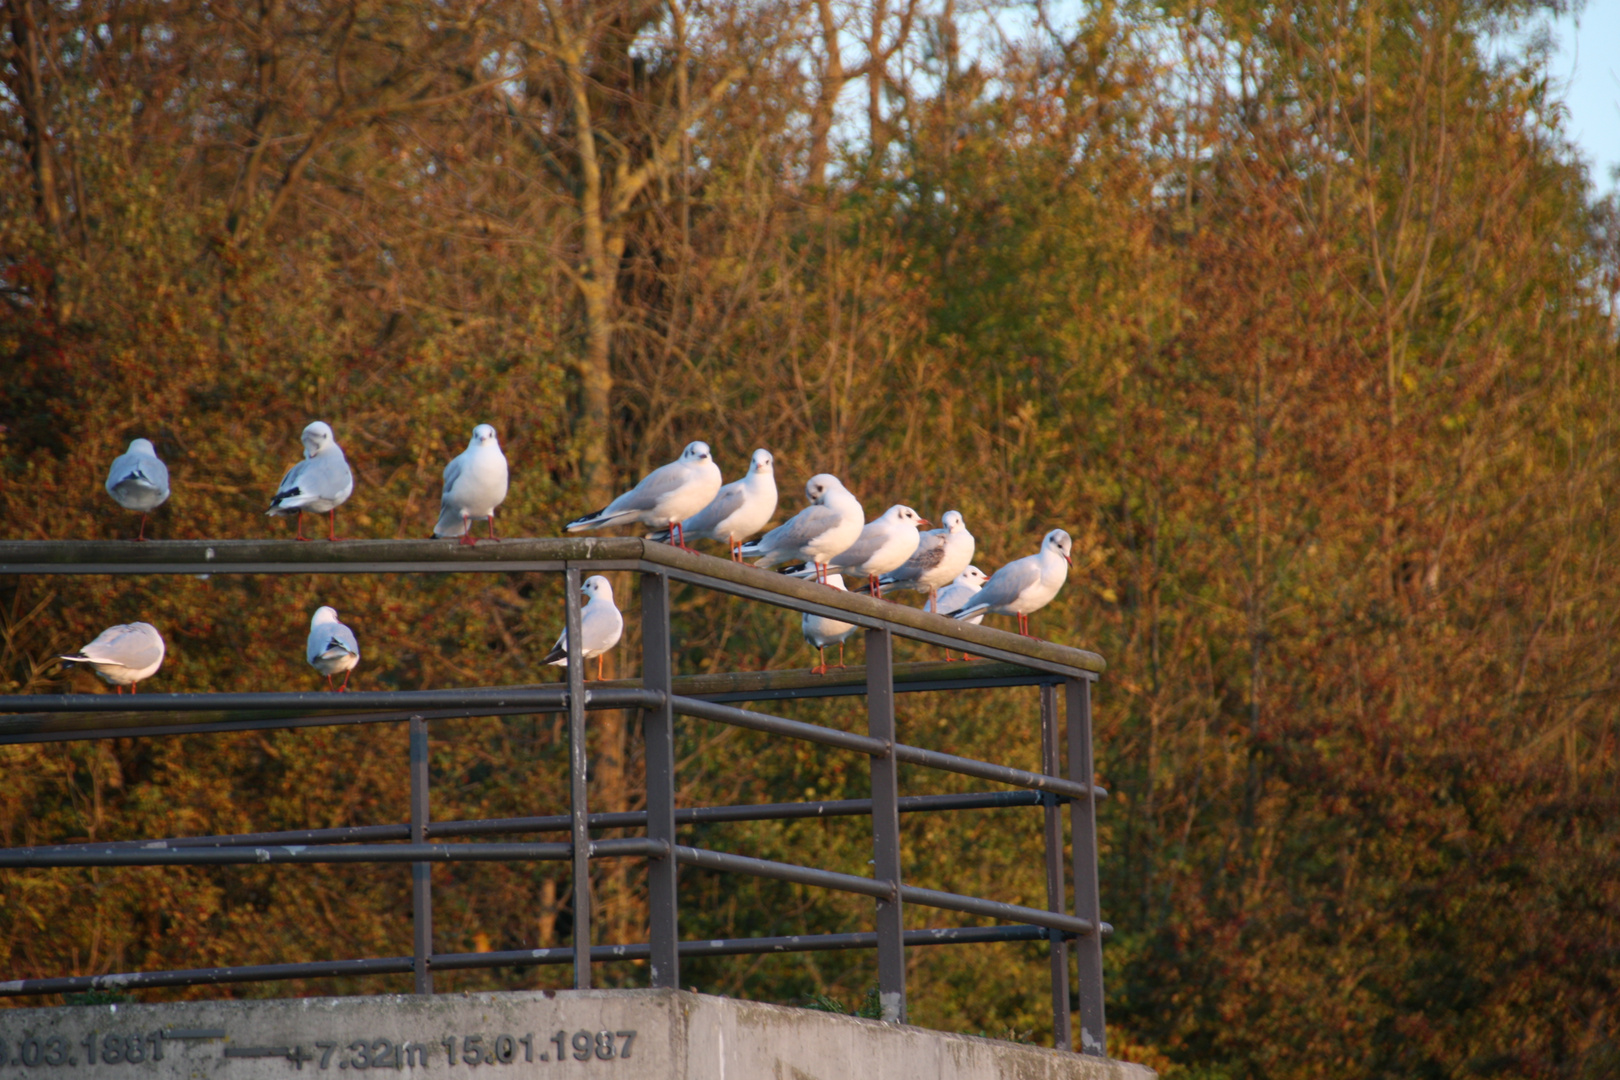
{"type": "Point", "coordinates": [740, 510]}
{"type": "Point", "coordinates": [953, 596]}
{"type": "Point", "coordinates": [665, 497]}
{"type": "Point", "coordinates": [600, 624]}
{"type": "Point", "coordinates": [138, 480]}
{"type": "Point", "coordinates": [1024, 585]}
{"type": "Point", "coordinates": [821, 633]}
{"type": "Point", "coordinates": [319, 484]}
{"type": "Point", "coordinates": [332, 646]}
{"type": "Point", "coordinates": [885, 543]}
{"type": "Point", "coordinates": [831, 523]}
{"type": "Point", "coordinates": [474, 486]}
{"type": "Point", "coordinates": [941, 555]}
{"type": "Point", "coordinates": [123, 655]}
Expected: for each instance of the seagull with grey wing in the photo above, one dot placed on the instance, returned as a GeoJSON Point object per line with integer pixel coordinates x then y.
{"type": "Point", "coordinates": [665, 498]}
{"type": "Point", "coordinates": [123, 655]}
{"type": "Point", "coordinates": [953, 596]}
{"type": "Point", "coordinates": [831, 523]}
{"type": "Point", "coordinates": [941, 554]}
{"type": "Point", "coordinates": [822, 633]}
{"type": "Point", "coordinates": [884, 544]}
{"type": "Point", "coordinates": [600, 626]}
{"type": "Point", "coordinates": [474, 486]}
{"type": "Point", "coordinates": [138, 480]}
{"type": "Point", "coordinates": [332, 647]}
{"type": "Point", "coordinates": [741, 509]}
{"type": "Point", "coordinates": [319, 484]}
{"type": "Point", "coordinates": [1025, 585]}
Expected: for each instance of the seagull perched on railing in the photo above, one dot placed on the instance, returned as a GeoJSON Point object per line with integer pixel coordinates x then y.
{"type": "Point", "coordinates": [953, 596]}
{"type": "Point", "coordinates": [665, 498]}
{"type": "Point", "coordinates": [884, 544]}
{"type": "Point", "coordinates": [831, 523]}
{"type": "Point", "coordinates": [741, 509]}
{"type": "Point", "coordinates": [821, 633]}
{"type": "Point", "coordinates": [474, 486]}
{"type": "Point", "coordinates": [941, 554]}
{"type": "Point", "coordinates": [123, 655]}
{"type": "Point", "coordinates": [138, 480]}
{"type": "Point", "coordinates": [319, 484]}
{"type": "Point", "coordinates": [332, 646]}
{"type": "Point", "coordinates": [1024, 585]}
{"type": "Point", "coordinates": [600, 625]}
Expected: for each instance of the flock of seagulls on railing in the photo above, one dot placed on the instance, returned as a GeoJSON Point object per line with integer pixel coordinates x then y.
{"type": "Point", "coordinates": [684, 500]}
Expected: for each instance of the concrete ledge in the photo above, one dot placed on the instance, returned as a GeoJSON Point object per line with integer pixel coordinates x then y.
{"type": "Point", "coordinates": [656, 1034]}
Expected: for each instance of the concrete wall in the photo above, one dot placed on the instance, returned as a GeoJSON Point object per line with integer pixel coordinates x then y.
{"type": "Point", "coordinates": [601, 1034]}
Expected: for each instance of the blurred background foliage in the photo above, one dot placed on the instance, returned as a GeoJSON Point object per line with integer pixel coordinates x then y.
{"type": "Point", "coordinates": [1299, 316]}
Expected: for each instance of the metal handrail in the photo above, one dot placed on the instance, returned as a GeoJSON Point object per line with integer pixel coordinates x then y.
{"type": "Point", "coordinates": [660, 695]}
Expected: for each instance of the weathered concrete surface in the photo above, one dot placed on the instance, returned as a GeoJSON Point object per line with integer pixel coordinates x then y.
{"type": "Point", "coordinates": [676, 1036]}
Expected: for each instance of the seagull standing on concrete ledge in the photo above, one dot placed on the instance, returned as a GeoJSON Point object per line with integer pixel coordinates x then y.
{"type": "Point", "coordinates": [821, 633]}
{"type": "Point", "coordinates": [600, 625]}
{"type": "Point", "coordinates": [941, 554]}
{"type": "Point", "coordinates": [332, 647]}
{"type": "Point", "coordinates": [831, 523]}
{"type": "Point", "coordinates": [319, 484]}
{"type": "Point", "coordinates": [123, 655]}
{"type": "Point", "coordinates": [139, 481]}
{"type": "Point", "coordinates": [742, 508]}
{"type": "Point", "coordinates": [474, 486]}
{"type": "Point", "coordinates": [884, 544]}
{"type": "Point", "coordinates": [665, 497]}
{"type": "Point", "coordinates": [1024, 585]}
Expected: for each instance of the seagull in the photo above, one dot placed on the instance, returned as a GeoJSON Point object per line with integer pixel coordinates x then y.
{"type": "Point", "coordinates": [740, 510]}
{"type": "Point", "coordinates": [665, 497]}
{"type": "Point", "coordinates": [332, 647]}
{"type": "Point", "coordinates": [1024, 585]}
{"type": "Point", "coordinates": [600, 624]}
{"type": "Point", "coordinates": [319, 484]}
{"type": "Point", "coordinates": [940, 556]}
{"type": "Point", "coordinates": [831, 523]}
{"type": "Point", "coordinates": [886, 542]}
{"type": "Point", "coordinates": [957, 593]}
{"type": "Point", "coordinates": [474, 485]}
{"type": "Point", "coordinates": [138, 480]}
{"type": "Point", "coordinates": [821, 632]}
{"type": "Point", "coordinates": [123, 655]}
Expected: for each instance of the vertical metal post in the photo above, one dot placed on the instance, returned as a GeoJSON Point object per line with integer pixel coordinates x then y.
{"type": "Point", "coordinates": [1087, 903]}
{"type": "Point", "coordinates": [421, 872]}
{"type": "Point", "coordinates": [1062, 1026]}
{"type": "Point", "coordinates": [578, 762]}
{"type": "Point", "coordinates": [658, 727]}
{"type": "Point", "coordinates": [886, 825]}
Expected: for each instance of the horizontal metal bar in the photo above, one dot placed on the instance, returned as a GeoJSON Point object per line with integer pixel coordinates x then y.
{"type": "Point", "coordinates": [802, 875]}
{"type": "Point", "coordinates": [776, 725]}
{"type": "Point", "coordinates": [1034, 678]}
{"type": "Point", "coordinates": [984, 770]}
{"type": "Point", "coordinates": [623, 819]}
{"type": "Point", "coordinates": [994, 909]}
{"type": "Point", "coordinates": [96, 855]}
{"type": "Point", "coordinates": [395, 965]}
{"type": "Point", "coordinates": [526, 697]}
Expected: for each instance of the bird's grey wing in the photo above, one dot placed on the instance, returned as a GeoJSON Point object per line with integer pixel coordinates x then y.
{"type": "Point", "coordinates": [131, 646]}
{"type": "Point", "coordinates": [289, 479]}
{"type": "Point", "coordinates": [1007, 583]}
{"type": "Point", "coordinates": [727, 502]}
{"type": "Point", "coordinates": [452, 473]}
{"type": "Point", "coordinates": [801, 528]}
{"type": "Point", "coordinates": [653, 487]}
{"type": "Point", "coordinates": [929, 554]}
{"type": "Point", "coordinates": [342, 635]}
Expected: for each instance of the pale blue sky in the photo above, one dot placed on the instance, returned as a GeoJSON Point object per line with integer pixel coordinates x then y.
{"type": "Point", "coordinates": [1588, 63]}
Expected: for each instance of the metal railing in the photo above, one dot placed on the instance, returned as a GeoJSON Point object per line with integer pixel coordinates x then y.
{"type": "Point", "coordinates": [661, 696]}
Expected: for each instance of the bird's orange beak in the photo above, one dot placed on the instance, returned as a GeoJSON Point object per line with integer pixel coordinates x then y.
{"type": "Point", "coordinates": [1068, 560]}
{"type": "Point", "coordinates": [924, 521]}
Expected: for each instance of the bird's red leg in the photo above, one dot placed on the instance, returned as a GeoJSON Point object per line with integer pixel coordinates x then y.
{"type": "Point", "coordinates": [331, 530]}
{"type": "Point", "coordinates": [329, 686]}
{"type": "Point", "coordinates": [467, 538]}
{"type": "Point", "coordinates": [491, 522]}
{"type": "Point", "coordinates": [301, 535]}
{"type": "Point", "coordinates": [142, 534]}
{"type": "Point", "coordinates": [872, 585]}
{"type": "Point", "coordinates": [118, 689]}
{"type": "Point", "coordinates": [599, 658]}
{"type": "Point", "coordinates": [840, 654]}
{"type": "Point", "coordinates": [821, 668]}
{"type": "Point", "coordinates": [132, 689]}
{"type": "Point", "coordinates": [933, 601]}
